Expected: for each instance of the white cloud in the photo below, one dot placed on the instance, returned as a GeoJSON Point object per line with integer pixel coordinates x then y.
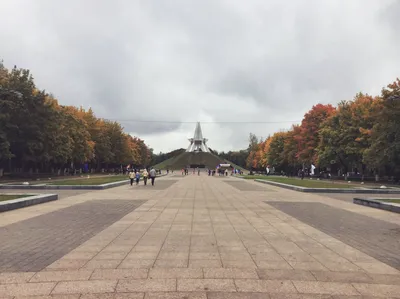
{"type": "Point", "coordinates": [212, 60]}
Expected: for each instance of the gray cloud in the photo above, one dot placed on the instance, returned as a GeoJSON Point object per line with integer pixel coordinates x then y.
{"type": "Point", "coordinates": [185, 61]}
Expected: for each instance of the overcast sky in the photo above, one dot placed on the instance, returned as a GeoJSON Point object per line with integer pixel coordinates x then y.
{"type": "Point", "coordinates": [209, 61]}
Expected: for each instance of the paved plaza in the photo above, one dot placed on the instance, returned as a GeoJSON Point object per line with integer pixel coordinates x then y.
{"type": "Point", "coordinates": [198, 237]}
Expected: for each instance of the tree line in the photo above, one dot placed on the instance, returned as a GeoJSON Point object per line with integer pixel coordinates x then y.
{"type": "Point", "coordinates": [37, 134]}
{"type": "Point", "coordinates": [360, 136]}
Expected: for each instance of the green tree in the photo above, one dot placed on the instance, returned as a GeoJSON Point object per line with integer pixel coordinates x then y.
{"type": "Point", "coordinates": [384, 152]}
{"type": "Point", "coordinates": [345, 136]}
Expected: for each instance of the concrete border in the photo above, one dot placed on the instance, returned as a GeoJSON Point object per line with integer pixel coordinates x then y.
{"type": "Point", "coordinates": [66, 187]}
{"type": "Point", "coordinates": [329, 190]}
{"type": "Point", "coordinates": [69, 187]}
{"type": "Point", "coordinates": [377, 204]}
{"type": "Point", "coordinates": [22, 202]}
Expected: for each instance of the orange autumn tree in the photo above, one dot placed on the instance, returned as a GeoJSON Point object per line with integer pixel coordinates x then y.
{"type": "Point", "coordinates": [292, 148]}
{"type": "Point", "coordinates": [275, 151]}
{"type": "Point", "coordinates": [308, 137]}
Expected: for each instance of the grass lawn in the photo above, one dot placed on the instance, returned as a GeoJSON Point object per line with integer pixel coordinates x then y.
{"type": "Point", "coordinates": [395, 200]}
{"type": "Point", "coordinates": [4, 197]}
{"type": "Point", "coordinates": [91, 181]}
{"type": "Point", "coordinates": [307, 183]}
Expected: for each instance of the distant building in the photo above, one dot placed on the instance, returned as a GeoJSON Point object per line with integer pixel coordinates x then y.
{"type": "Point", "coordinates": [198, 143]}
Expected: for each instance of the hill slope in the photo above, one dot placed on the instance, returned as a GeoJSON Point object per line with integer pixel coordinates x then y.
{"type": "Point", "coordinates": [182, 160]}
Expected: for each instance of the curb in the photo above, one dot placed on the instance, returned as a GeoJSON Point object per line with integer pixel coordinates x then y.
{"type": "Point", "coordinates": [26, 201]}
{"type": "Point", "coordinates": [69, 187]}
{"type": "Point", "coordinates": [377, 204]}
{"type": "Point", "coordinates": [66, 187]}
{"type": "Point", "coordinates": [328, 190]}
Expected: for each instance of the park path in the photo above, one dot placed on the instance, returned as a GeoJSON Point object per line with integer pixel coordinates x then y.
{"type": "Point", "coordinates": [195, 237]}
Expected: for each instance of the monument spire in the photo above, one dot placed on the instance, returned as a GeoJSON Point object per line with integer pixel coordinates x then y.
{"type": "Point", "coordinates": [198, 143]}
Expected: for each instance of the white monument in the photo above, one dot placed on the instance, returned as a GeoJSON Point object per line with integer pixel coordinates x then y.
{"type": "Point", "coordinates": [198, 143]}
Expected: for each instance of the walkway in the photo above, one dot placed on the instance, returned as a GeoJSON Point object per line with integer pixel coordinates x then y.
{"type": "Point", "coordinates": [199, 237]}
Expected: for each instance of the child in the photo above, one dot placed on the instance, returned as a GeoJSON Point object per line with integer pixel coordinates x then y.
{"type": "Point", "coordinates": [137, 177]}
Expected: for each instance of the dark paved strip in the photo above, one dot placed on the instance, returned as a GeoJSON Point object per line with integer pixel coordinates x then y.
{"type": "Point", "coordinates": [245, 186]}
{"type": "Point", "coordinates": [377, 238]}
{"type": "Point", "coordinates": [35, 243]}
{"type": "Point", "coordinates": [158, 184]}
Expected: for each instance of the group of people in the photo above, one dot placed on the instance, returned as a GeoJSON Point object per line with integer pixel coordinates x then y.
{"type": "Point", "coordinates": [134, 176]}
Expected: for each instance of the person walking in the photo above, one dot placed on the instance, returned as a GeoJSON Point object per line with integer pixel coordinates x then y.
{"type": "Point", "coordinates": [137, 177]}
{"type": "Point", "coordinates": [131, 176]}
{"type": "Point", "coordinates": [152, 175]}
{"type": "Point", "coordinates": [145, 176]}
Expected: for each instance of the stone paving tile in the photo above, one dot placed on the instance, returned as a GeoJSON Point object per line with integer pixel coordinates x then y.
{"type": "Point", "coordinates": [117, 248]}
{"type": "Point", "coordinates": [204, 256]}
{"type": "Point", "coordinates": [15, 277]}
{"type": "Point", "coordinates": [26, 289]}
{"type": "Point", "coordinates": [115, 274]}
{"type": "Point", "coordinates": [307, 266]}
{"type": "Point", "coordinates": [274, 265]}
{"type": "Point", "coordinates": [65, 264]}
{"type": "Point", "coordinates": [47, 276]}
{"type": "Point", "coordinates": [175, 273]}
{"type": "Point", "coordinates": [181, 263]}
{"type": "Point", "coordinates": [329, 288]}
{"type": "Point", "coordinates": [176, 295]}
{"type": "Point", "coordinates": [246, 264]}
{"type": "Point", "coordinates": [285, 275]}
{"type": "Point", "coordinates": [230, 273]}
{"type": "Point", "coordinates": [113, 296]}
{"type": "Point", "coordinates": [147, 285]}
{"type": "Point", "coordinates": [131, 264]}
{"type": "Point", "coordinates": [341, 276]}
{"type": "Point", "coordinates": [357, 297]}
{"type": "Point", "coordinates": [79, 255]}
{"type": "Point", "coordinates": [264, 286]}
{"type": "Point", "coordinates": [378, 290]}
{"type": "Point", "coordinates": [377, 268]}
{"type": "Point", "coordinates": [63, 296]}
{"type": "Point", "coordinates": [196, 285]}
{"type": "Point", "coordinates": [136, 255]}
{"type": "Point", "coordinates": [102, 264]}
{"type": "Point", "coordinates": [110, 256]}
{"type": "Point", "coordinates": [342, 267]}
{"type": "Point", "coordinates": [238, 296]}
{"type": "Point", "coordinates": [85, 287]}
{"type": "Point", "coordinates": [385, 278]}
{"type": "Point", "coordinates": [245, 186]}
{"type": "Point", "coordinates": [205, 263]}
{"type": "Point", "coordinates": [303, 296]}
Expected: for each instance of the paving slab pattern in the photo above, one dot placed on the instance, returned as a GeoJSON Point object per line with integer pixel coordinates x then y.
{"type": "Point", "coordinates": [377, 238]}
{"type": "Point", "coordinates": [245, 186]}
{"type": "Point", "coordinates": [33, 244]}
{"type": "Point", "coordinates": [201, 238]}
{"type": "Point", "coordinates": [159, 184]}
